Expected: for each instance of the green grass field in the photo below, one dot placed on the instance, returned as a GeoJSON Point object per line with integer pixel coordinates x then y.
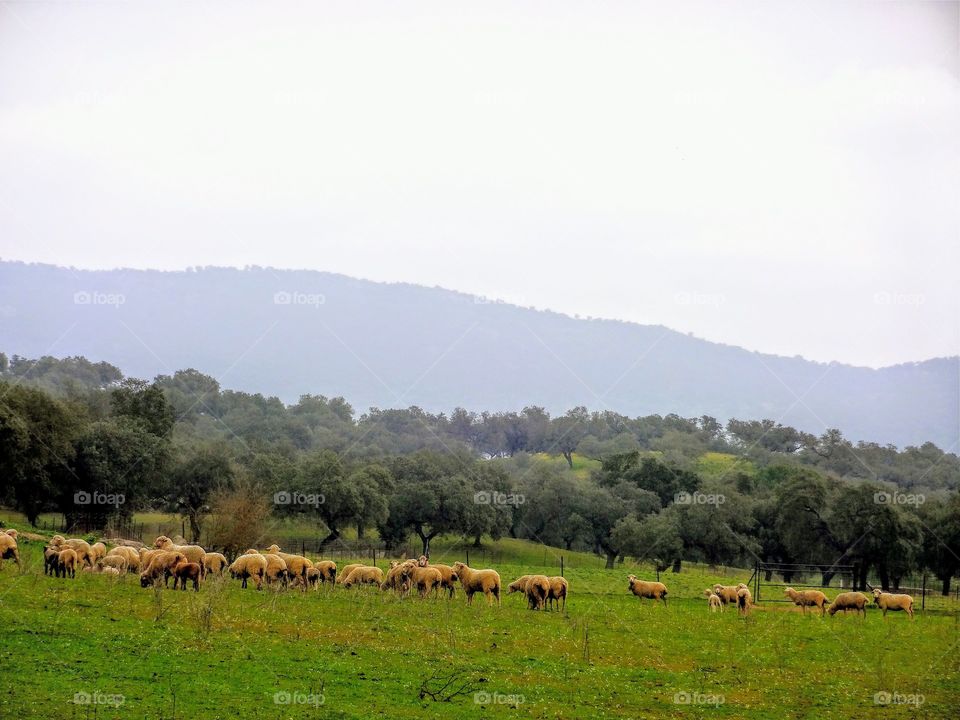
{"type": "Point", "coordinates": [232, 653]}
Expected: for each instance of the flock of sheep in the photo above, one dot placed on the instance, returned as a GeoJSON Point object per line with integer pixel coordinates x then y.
{"type": "Point", "coordinates": [191, 564]}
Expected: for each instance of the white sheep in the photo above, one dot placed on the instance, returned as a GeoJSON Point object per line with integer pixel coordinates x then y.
{"type": "Point", "coordinates": [889, 601]}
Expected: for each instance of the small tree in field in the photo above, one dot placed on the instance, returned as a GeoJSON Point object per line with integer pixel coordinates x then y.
{"type": "Point", "coordinates": [240, 518]}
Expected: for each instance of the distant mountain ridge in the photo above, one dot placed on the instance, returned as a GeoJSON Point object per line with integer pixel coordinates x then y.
{"type": "Point", "coordinates": [292, 332]}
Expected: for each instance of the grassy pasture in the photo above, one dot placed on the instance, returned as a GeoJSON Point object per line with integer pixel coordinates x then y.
{"type": "Point", "coordinates": [227, 653]}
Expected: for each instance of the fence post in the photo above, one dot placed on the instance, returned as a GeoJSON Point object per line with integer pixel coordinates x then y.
{"type": "Point", "coordinates": [468, 557]}
{"type": "Point", "coordinates": [561, 566]}
{"type": "Point", "coordinates": [923, 593]}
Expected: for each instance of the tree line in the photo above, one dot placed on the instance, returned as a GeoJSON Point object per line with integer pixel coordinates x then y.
{"type": "Point", "coordinates": [80, 439]}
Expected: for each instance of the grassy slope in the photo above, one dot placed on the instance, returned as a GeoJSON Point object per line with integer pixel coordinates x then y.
{"type": "Point", "coordinates": [609, 655]}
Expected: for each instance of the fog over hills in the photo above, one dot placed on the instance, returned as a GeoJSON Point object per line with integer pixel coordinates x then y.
{"type": "Point", "coordinates": [287, 333]}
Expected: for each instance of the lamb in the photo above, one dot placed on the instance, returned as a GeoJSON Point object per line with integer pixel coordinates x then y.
{"type": "Point", "coordinates": [648, 589]}
{"type": "Point", "coordinates": [214, 562]}
{"type": "Point", "coordinates": [744, 590]}
{"type": "Point", "coordinates": [117, 562]}
{"type": "Point", "coordinates": [161, 566]}
{"type": "Point", "coordinates": [13, 532]}
{"type": "Point", "coordinates": [804, 598]}
{"type": "Point", "coordinates": [194, 553]}
{"type": "Point", "coordinates": [849, 601]}
{"type": "Point", "coordinates": [313, 577]}
{"type": "Point", "coordinates": [8, 548]}
{"type": "Point", "coordinates": [129, 554]}
{"type": "Point", "coordinates": [67, 560]}
{"type": "Point", "coordinates": [744, 599]}
{"type": "Point", "coordinates": [713, 600]}
{"type": "Point", "coordinates": [184, 571]}
{"type": "Point", "coordinates": [84, 552]}
{"type": "Point", "coordinates": [889, 601]}
{"type": "Point", "coordinates": [364, 575]}
{"type": "Point", "coordinates": [726, 593]}
{"type": "Point", "coordinates": [249, 566]}
{"type": "Point", "coordinates": [111, 571]}
{"type": "Point", "coordinates": [486, 581]}
{"type": "Point", "coordinates": [327, 570]}
{"type": "Point", "coordinates": [99, 550]}
{"type": "Point", "coordinates": [558, 591]}
{"type": "Point", "coordinates": [396, 578]}
{"type": "Point", "coordinates": [50, 559]}
{"type": "Point", "coordinates": [345, 573]}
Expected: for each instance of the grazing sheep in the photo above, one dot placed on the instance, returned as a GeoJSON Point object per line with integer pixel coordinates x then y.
{"type": "Point", "coordinates": [888, 601]}
{"type": "Point", "coordinates": [726, 593]}
{"type": "Point", "coordinates": [327, 570]}
{"type": "Point", "coordinates": [364, 575]}
{"type": "Point", "coordinates": [84, 552]}
{"type": "Point", "coordinates": [518, 585]}
{"type": "Point", "coordinates": [276, 569]}
{"type": "Point", "coordinates": [111, 571]}
{"type": "Point", "coordinates": [537, 590]}
{"type": "Point", "coordinates": [8, 548]}
{"type": "Point", "coordinates": [184, 571]}
{"type": "Point", "coordinates": [117, 562]}
{"type": "Point", "coordinates": [558, 591]}
{"type": "Point", "coordinates": [194, 553]}
{"type": "Point", "coordinates": [67, 561]}
{"type": "Point", "coordinates": [214, 562]}
{"type": "Point", "coordinates": [647, 589]}
{"type": "Point", "coordinates": [749, 594]}
{"type": "Point", "coordinates": [345, 573]}
{"type": "Point", "coordinates": [474, 581]}
{"type": "Point", "coordinates": [811, 598]}
{"type": "Point", "coordinates": [425, 578]}
{"type": "Point", "coordinates": [161, 567]}
{"type": "Point", "coordinates": [297, 566]}
{"type": "Point", "coordinates": [249, 566]}
{"type": "Point", "coordinates": [713, 600]}
{"type": "Point", "coordinates": [313, 577]}
{"type": "Point", "coordinates": [146, 555]}
{"type": "Point", "coordinates": [99, 550]}
{"type": "Point", "coordinates": [129, 554]}
{"type": "Point", "coordinates": [849, 601]}
{"type": "Point", "coordinates": [744, 600]}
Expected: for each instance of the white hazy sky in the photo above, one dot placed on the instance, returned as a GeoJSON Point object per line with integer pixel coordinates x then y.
{"type": "Point", "coordinates": [778, 175]}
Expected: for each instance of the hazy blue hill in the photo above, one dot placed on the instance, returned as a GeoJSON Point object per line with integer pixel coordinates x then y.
{"type": "Point", "coordinates": [397, 345]}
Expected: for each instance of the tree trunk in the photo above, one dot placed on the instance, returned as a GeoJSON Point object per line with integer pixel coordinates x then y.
{"type": "Point", "coordinates": [884, 578]}
{"type": "Point", "coordinates": [476, 541]}
{"type": "Point", "coordinates": [361, 529]}
{"type": "Point", "coordinates": [787, 576]}
{"type": "Point", "coordinates": [568, 456]}
{"type": "Point", "coordinates": [611, 559]}
{"type": "Point", "coordinates": [334, 534]}
{"type": "Point", "coordinates": [194, 526]}
{"type": "Point", "coordinates": [676, 566]}
{"type": "Point", "coordinates": [946, 586]}
{"type": "Point", "coordinates": [826, 577]}
{"type": "Point", "coordinates": [767, 575]}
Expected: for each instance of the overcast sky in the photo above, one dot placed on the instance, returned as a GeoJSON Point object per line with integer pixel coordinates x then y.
{"type": "Point", "coordinates": [778, 175]}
